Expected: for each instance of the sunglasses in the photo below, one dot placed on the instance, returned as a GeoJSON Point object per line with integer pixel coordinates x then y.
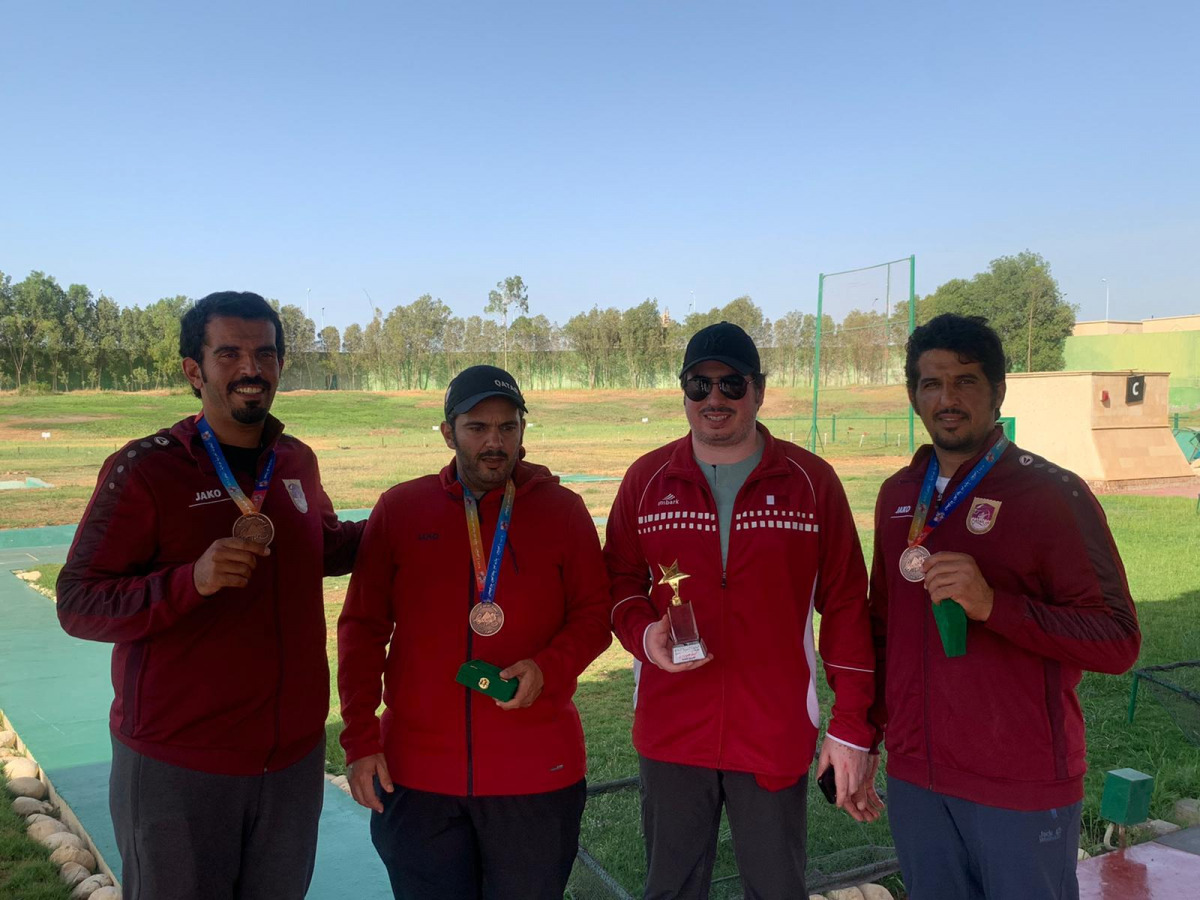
{"type": "Point", "coordinates": [732, 386]}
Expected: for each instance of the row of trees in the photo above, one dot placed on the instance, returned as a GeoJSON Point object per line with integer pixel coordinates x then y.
{"type": "Point", "coordinates": [67, 339]}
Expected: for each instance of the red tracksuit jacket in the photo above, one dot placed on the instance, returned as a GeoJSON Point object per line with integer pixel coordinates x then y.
{"type": "Point", "coordinates": [793, 549]}
{"type": "Point", "coordinates": [236, 683]}
{"type": "Point", "coordinates": [405, 621]}
{"type": "Point", "coordinates": [1002, 725]}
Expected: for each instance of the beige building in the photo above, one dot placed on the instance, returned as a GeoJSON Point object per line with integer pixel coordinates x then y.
{"type": "Point", "coordinates": [1109, 428]}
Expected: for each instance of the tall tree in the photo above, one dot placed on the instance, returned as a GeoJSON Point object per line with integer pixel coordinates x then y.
{"type": "Point", "coordinates": [508, 293]}
{"type": "Point", "coordinates": [1022, 301]}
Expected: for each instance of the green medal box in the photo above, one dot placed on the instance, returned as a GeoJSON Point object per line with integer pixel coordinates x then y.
{"type": "Point", "coordinates": [484, 677]}
{"type": "Point", "coordinates": [952, 626]}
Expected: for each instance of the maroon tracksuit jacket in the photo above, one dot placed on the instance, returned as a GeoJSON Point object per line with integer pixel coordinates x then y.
{"type": "Point", "coordinates": [236, 683]}
{"type": "Point", "coordinates": [1001, 725]}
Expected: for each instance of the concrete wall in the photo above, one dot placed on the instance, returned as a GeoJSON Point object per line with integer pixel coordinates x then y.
{"type": "Point", "coordinates": [1064, 417]}
{"type": "Point", "coordinates": [1105, 326]}
{"type": "Point", "coordinates": [1175, 352]}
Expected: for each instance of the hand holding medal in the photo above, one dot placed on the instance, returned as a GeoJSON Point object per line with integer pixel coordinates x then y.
{"type": "Point", "coordinates": [950, 617]}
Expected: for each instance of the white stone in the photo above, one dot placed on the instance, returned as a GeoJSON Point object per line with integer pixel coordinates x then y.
{"type": "Point", "coordinates": [27, 787]}
{"type": "Point", "coordinates": [44, 827]}
{"type": "Point", "coordinates": [88, 888]}
{"type": "Point", "coordinates": [73, 873]}
{"type": "Point", "coordinates": [107, 893]}
{"type": "Point", "coordinates": [845, 894]}
{"type": "Point", "coordinates": [27, 806]}
{"type": "Point", "coordinates": [8, 753]}
{"type": "Point", "coordinates": [810, 896]}
{"type": "Point", "coordinates": [21, 767]}
{"type": "Point", "coordinates": [1156, 828]}
{"type": "Point", "coordinates": [1187, 811]}
{"type": "Point", "coordinates": [8, 739]}
{"type": "Point", "coordinates": [61, 839]}
{"type": "Point", "coordinates": [1083, 854]}
{"type": "Point", "coordinates": [64, 855]}
{"type": "Point", "coordinates": [29, 576]}
{"type": "Point", "coordinates": [875, 892]}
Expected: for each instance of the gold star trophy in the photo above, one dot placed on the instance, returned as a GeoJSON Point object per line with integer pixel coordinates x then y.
{"type": "Point", "coordinates": [685, 637]}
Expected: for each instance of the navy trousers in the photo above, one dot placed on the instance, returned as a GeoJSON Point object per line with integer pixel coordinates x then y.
{"type": "Point", "coordinates": [952, 849]}
{"type": "Point", "coordinates": [440, 847]}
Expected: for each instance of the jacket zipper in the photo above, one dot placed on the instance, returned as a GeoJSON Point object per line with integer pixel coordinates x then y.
{"type": "Point", "coordinates": [279, 667]}
{"type": "Point", "coordinates": [469, 692]}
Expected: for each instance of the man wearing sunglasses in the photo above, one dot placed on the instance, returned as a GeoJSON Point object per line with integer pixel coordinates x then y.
{"type": "Point", "coordinates": [754, 534]}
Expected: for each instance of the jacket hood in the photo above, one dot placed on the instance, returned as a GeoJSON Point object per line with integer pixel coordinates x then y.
{"type": "Point", "coordinates": [916, 468]}
{"type": "Point", "coordinates": [683, 458]}
{"type": "Point", "coordinates": [187, 432]}
{"type": "Point", "coordinates": [526, 476]}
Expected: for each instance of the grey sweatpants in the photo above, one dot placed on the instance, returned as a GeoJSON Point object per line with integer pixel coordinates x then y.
{"type": "Point", "coordinates": [681, 814]}
{"type": "Point", "coordinates": [191, 835]}
{"type": "Point", "coordinates": [952, 849]}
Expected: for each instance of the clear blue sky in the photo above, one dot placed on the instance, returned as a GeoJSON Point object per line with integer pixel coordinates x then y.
{"type": "Point", "coordinates": [605, 151]}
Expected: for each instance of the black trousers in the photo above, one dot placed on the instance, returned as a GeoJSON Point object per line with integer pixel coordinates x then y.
{"type": "Point", "coordinates": [681, 814]}
{"type": "Point", "coordinates": [188, 835]}
{"type": "Point", "coordinates": [441, 847]}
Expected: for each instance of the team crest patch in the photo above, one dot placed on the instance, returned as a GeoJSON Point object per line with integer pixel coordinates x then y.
{"type": "Point", "coordinates": [982, 515]}
{"type": "Point", "coordinates": [296, 491]}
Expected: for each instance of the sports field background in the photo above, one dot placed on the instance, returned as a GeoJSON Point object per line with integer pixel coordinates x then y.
{"type": "Point", "coordinates": [367, 442]}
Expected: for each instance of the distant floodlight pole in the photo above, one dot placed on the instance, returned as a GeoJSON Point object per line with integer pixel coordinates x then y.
{"type": "Point", "coordinates": [812, 431]}
{"type": "Point", "coordinates": [1105, 281]}
{"type": "Point", "coordinates": [308, 305]}
{"type": "Point", "coordinates": [912, 324]}
{"type": "Point", "coordinates": [693, 309]}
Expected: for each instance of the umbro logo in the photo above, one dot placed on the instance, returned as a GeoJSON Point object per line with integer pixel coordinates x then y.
{"type": "Point", "coordinates": [669, 500]}
{"type": "Point", "coordinates": [214, 494]}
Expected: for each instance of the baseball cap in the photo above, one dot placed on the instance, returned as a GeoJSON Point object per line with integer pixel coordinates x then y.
{"type": "Point", "coordinates": [723, 342]}
{"type": "Point", "coordinates": [477, 383]}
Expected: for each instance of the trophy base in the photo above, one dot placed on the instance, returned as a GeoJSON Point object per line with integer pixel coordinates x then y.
{"type": "Point", "coordinates": [688, 652]}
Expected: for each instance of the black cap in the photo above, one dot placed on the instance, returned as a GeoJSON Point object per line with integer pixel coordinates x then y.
{"type": "Point", "coordinates": [477, 383]}
{"type": "Point", "coordinates": [723, 342]}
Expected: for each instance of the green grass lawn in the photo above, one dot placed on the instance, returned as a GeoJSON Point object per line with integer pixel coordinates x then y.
{"type": "Point", "coordinates": [367, 442]}
{"type": "Point", "coordinates": [26, 872]}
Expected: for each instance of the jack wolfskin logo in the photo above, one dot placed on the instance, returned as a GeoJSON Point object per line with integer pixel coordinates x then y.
{"type": "Point", "coordinates": [428, 536]}
{"type": "Point", "coordinates": [669, 500]}
{"type": "Point", "coordinates": [214, 494]}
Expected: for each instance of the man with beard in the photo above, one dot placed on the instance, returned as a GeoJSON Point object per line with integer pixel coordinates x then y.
{"type": "Point", "coordinates": [762, 533]}
{"type": "Point", "coordinates": [995, 583]}
{"type": "Point", "coordinates": [473, 794]}
{"type": "Point", "coordinates": [200, 556]}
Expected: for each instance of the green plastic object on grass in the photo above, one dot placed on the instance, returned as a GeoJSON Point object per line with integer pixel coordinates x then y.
{"type": "Point", "coordinates": [1126, 799]}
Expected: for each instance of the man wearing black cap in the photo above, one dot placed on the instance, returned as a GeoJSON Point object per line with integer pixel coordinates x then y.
{"type": "Point", "coordinates": [483, 579]}
{"type": "Point", "coordinates": [721, 545]}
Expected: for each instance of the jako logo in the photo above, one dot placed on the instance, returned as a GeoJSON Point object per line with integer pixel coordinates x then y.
{"type": "Point", "coordinates": [214, 494]}
{"type": "Point", "coordinates": [902, 509]}
{"type": "Point", "coordinates": [669, 500]}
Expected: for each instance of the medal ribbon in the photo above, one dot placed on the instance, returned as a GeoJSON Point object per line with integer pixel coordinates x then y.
{"type": "Point", "coordinates": [486, 584]}
{"type": "Point", "coordinates": [919, 531]}
{"type": "Point", "coordinates": [248, 505]}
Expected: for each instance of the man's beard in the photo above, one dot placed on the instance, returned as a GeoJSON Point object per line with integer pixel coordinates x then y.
{"type": "Point", "coordinates": [250, 415]}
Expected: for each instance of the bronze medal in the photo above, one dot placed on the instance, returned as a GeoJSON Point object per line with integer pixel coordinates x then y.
{"type": "Point", "coordinates": [255, 528]}
{"type": "Point", "coordinates": [911, 562]}
{"type": "Point", "coordinates": [486, 619]}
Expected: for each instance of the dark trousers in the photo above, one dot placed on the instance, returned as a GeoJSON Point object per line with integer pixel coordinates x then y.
{"type": "Point", "coordinates": [952, 849]}
{"type": "Point", "coordinates": [441, 847]}
{"type": "Point", "coordinates": [681, 814]}
{"type": "Point", "coordinates": [188, 835]}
